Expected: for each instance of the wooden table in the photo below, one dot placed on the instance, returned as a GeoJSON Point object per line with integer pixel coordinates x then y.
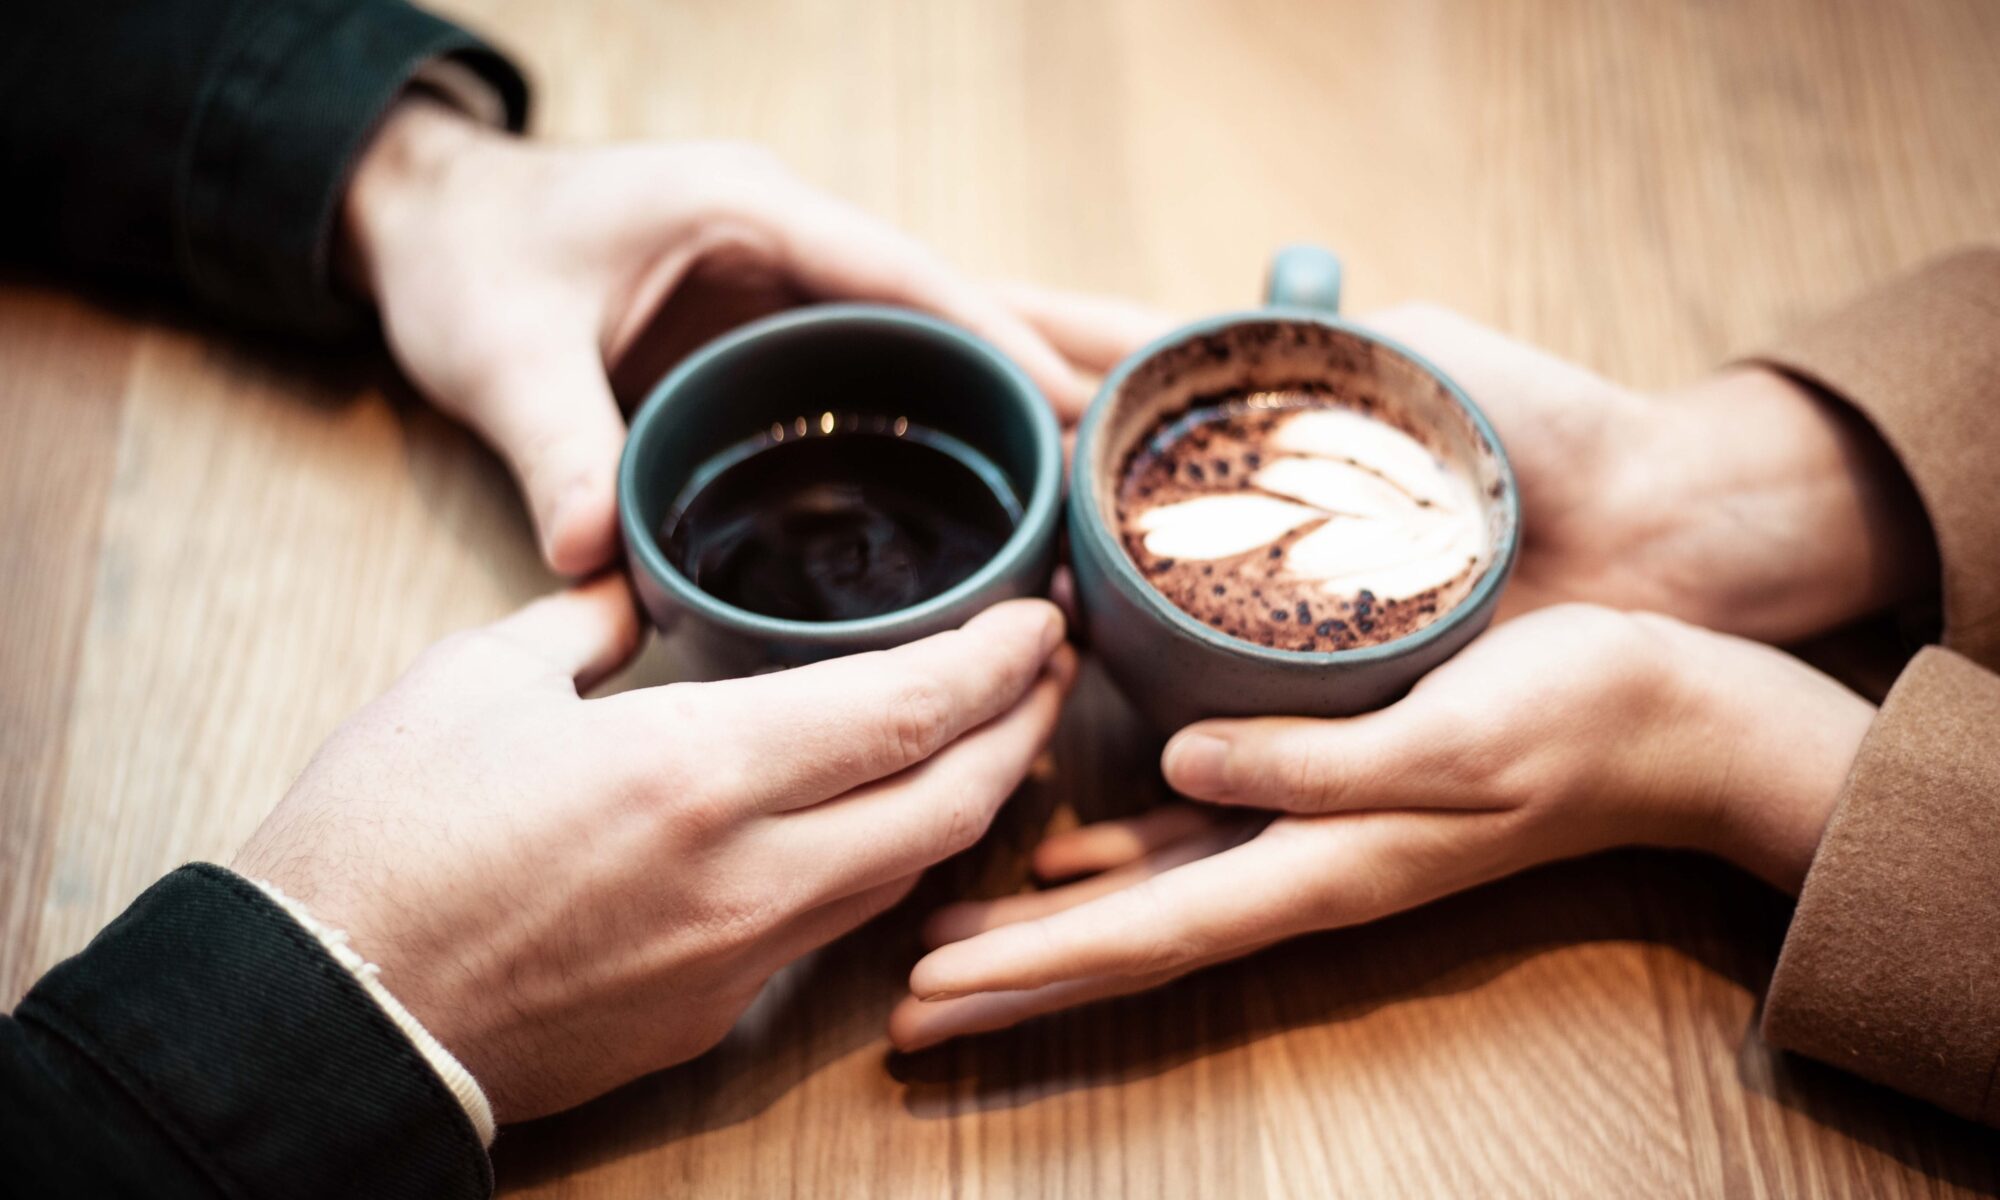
{"type": "Point", "coordinates": [213, 550]}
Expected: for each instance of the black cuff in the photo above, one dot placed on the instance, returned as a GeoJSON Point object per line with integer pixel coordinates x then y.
{"type": "Point", "coordinates": [286, 108]}
{"type": "Point", "coordinates": [259, 1055]}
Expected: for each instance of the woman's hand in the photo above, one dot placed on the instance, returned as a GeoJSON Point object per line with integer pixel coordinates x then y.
{"type": "Point", "coordinates": [569, 893]}
{"type": "Point", "coordinates": [1746, 504]}
{"type": "Point", "coordinates": [508, 274]}
{"type": "Point", "coordinates": [1562, 732]}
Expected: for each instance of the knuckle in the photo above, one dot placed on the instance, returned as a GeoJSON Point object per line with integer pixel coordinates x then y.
{"type": "Point", "coordinates": [1511, 783]}
{"type": "Point", "coordinates": [704, 806]}
{"type": "Point", "coordinates": [1648, 634]}
{"type": "Point", "coordinates": [744, 917]}
{"type": "Point", "coordinates": [668, 721]}
{"type": "Point", "coordinates": [1470, 756]}
{"type": "Point", "coordinates": [963, 824]}
{"type": "Point", "coordinates": [683, 762]}
{"type": "Point", "coordinates": [918, 720]}
{"type": "Point", "coordinates": [1312, 776]}
{"type": "Point", "coordinates": [698, 804]}
{"type": "Point", "coordinates": [1356, 898]}
{"type": "Point", "coordinates": [1592, 627]}
{"type": "Point", "coordinates": [1161, 943]}
{"type": "Point", "coordinates": [1626, 650]}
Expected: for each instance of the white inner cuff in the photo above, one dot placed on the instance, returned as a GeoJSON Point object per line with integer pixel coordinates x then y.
{"type": "Point", "coordinates": [450, 1071]}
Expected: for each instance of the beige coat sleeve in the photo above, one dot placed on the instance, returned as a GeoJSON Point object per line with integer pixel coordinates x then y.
{"type": "Point", "coordinates": [1891, 968]}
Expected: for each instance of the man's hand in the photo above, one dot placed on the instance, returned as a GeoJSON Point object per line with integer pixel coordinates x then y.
{"type": "Point", "coordinates": [1569, 730]}
{"type": "Point", "coordinates": [569, 893]}
{"type": "Point", "coordinates": [509, 273]}
{"type": "Point", "coordinates": [1746, 504]}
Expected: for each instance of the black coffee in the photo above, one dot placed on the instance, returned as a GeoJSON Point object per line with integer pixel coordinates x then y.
{"type": "Point", "coordinates": [838, 517]}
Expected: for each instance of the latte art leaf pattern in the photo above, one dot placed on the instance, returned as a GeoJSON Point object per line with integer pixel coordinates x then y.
{"type": "Point", "coordinates": [1332, 485]}
{"type": "Point", "coordinates": [1379, 512]}
{"type": "Point", "coordinates": [1219, 526]}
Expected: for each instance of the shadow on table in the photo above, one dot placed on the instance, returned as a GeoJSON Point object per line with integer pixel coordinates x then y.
{"type": "Point", "coordinates": [1725, 921]}
{"type": "Point", "coordinates": [450, 469]}
{"type": "Point", "coordinates": [324, 374]}
{"type": "Point", "coordinates": [834, 1005]}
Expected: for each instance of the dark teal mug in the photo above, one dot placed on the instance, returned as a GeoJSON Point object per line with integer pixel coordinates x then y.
{"type": "Point", "coordinates": [833, 358]}
{"type": "Point", "coordinates": [1176, 669]}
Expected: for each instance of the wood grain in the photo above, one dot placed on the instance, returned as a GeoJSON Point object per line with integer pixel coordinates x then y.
{"type": "Point", "coordinates": [213, 550]}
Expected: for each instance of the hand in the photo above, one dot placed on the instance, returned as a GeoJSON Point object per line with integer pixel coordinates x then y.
{"type": "Point", "coordinates": [1566, 731]}
{"type": "Point", "coordinates": [1747, 504]}
{"type": "Point", "coordinates": [508, 273]}
{"type": "Point", "coordinates": [569, 893]}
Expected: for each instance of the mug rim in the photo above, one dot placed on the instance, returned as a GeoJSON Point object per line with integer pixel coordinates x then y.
{"type": "Point", "coordinates": [1038, 511]}
{"type": "Point", "coordinates": [1125, 574]}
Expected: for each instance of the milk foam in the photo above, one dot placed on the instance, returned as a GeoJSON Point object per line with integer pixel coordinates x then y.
{"type": "Point", "coordinates": [1220, 526]}
{"type": "Point", "coordinates": [1381, 512]}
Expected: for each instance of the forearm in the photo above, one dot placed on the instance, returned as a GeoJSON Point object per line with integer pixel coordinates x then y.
{"type": "Point", "coordinates": [69, 1129]}
{"type": "Point", "coordinates": [1889, 965]}
{"type": "Point", "coordinates": [203, 145]}
{"type": "Point", "coordinates": [1761, 746]}
{"type": "Point", "coordinates": [1920, 355]}
{"type": "Point", "coordinates": [206, 1044]}
{"type": "Point", "coordinates": [410, 157]}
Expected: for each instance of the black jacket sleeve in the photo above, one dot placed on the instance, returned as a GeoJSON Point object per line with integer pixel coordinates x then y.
{"type": "Point", "coordinates": [205, 144]}
{"type": "Point", "coordinates": [207, 1045]}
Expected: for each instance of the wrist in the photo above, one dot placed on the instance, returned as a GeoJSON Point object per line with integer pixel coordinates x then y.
{"type": "Point", "coordinates": [450, 1072]}
{"type": "Point", "coordinates": [1789, 515]}
{"type": "Point", "coordinates": [1839, 530]}
{"type": "Point", "coordinates": [396, 181]}
{"type": "Point", "coordinates": [1764, 745]}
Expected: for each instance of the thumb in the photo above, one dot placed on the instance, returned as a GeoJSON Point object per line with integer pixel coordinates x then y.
{"type": "Point", "coordinates": [1386, 759]}
{"type": "Point", "coordinates": [583, 633]}
{"type": "Point", "coordinates": [549, 411]}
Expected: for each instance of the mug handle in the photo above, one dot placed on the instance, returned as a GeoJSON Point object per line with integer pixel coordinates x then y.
{"type": "Point", "coordinates": [1304, 276]}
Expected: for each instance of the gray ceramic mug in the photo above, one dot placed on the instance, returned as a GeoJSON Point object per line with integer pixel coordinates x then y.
{"type": "Point", "coordinates": [1176, 669]}
{"type": "Point", "coordinates": [833, 358]}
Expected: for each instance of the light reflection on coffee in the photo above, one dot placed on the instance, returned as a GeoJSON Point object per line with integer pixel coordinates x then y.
{"type": "Point", "coordinates": [1293, 519]}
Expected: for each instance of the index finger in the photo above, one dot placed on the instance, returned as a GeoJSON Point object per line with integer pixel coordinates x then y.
{"type": "Point", "coordinates": [817, 731]}
{"type": "Point", "coordinates": [1094, 332]}
{"type": "Point", "coordinates": [834, 249]}
{"type": "Point", "coordinates": [580, 634]}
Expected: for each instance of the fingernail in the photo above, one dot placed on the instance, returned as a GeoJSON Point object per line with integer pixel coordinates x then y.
{"type": "Point", "coordinates": [906, 1044]}
{"type": "Point", "coordinates": [568, 501]}
{"type": "Point", "coordinates": [1052, 630]}
{"type": "Point", "coordinates": [1195, 763]}
{"type": "Point", "coordinates": [923, 989]}
{"type": "Point", "coordinates": [1062, 667]}
{"type": "Point", "coordinates": [556, 518]}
